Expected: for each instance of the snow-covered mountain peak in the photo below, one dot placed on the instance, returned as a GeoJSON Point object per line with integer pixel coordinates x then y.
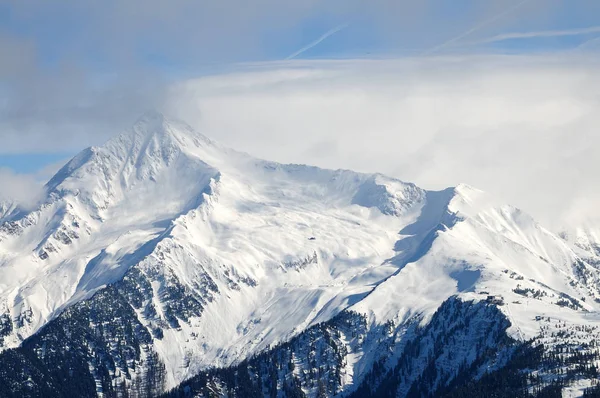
{"type": "Point", "coordinates": [155, 158]}
{"type": "Point", "coordinates": [169, 131]}
{"type": "Point", "coordinates": [7, 206]}
{"type": "Point", "coordinates": [390, 196]}
{"type": "Point", "coordinates": [161, 187]}
{"type": "Point", "coordinates": [218, 255]}
{"type": "Point", "coordinates": [152, 116]}
{"type": "Point", "coordinates": [585, 237]}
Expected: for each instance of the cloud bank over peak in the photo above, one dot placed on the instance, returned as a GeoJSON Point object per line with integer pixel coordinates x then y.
{"type": "Point", "coordinates": [18, 189]}
{"type": "Point", "coordinates": [524, 127]}
{"type": "Point", "coordinates": [428, 102]}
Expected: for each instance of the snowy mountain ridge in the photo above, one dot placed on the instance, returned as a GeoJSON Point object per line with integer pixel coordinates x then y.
{"type": "Point", "coordinates": [220, 256]}
{"type": "Point", "coordinates": [7, 206]}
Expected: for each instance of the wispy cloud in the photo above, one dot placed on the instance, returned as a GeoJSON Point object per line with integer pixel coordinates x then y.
{"type": "Point", "coordinates": [477, 27]}
{"type": "Point", "coordinates": [542, 33]}
{"type": "Point", "coordinates": [317, 41]}
{"type": "Point", "coordinates": [591, 43]}
{"type": "Point", "coordinates": [22, 189]}
{"type": "Point", "coordinates": [72, 73]}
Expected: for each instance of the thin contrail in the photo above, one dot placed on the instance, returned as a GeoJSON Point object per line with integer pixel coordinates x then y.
{"type": "Point", "coordinates": [476, 28]}
{"type": "Point", "coordinates": [319, 40]}
{"type": "Point", "coordinates": [587, 43]}
{"type": "Point", "coordinates": [543, 33]}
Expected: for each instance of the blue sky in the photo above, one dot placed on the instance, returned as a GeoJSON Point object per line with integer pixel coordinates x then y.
{"type": "Point", "coordinates": [72, 68]}
{"type": "Point", "coordinates": [104, 37]}
{"type": "Point", "coordinates": [31, 163]}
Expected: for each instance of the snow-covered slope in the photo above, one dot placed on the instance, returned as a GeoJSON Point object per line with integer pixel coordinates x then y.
{"type": "Point", "coordinates": [489, 248]}
{"type": "Point", "coordinates": [585, 239]}
{"type": "Point", "coordinates": [220, 255]}
{"type": "Point", "coordinates": [7, 206]}
{"type": "Point", "coordinates": [274, 247]}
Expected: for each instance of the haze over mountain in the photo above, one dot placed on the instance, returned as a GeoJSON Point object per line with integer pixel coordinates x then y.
{"type": "Point", "coordinates": [162, 254]}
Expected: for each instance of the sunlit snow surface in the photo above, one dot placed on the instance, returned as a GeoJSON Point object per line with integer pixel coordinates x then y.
{"type": "Point", "coordinates": [287, 246]}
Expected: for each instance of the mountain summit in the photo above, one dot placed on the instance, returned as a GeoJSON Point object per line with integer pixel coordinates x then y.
{"type": "Point", "coordinates": [155, 151]}
{"type": "Point", "coordinates": [167, 254]}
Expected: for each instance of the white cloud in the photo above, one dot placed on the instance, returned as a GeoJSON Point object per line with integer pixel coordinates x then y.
{"type": "Point", "coordinates": [522, 127]}
{"type": "Point", "coordinates": [487, 22]}
{"type": "Point", "coordinates": [23, 189]}
{"type": "Point", "coordinates": [73, 72]}
{"type": "Point", "coordinates": [543, 33]}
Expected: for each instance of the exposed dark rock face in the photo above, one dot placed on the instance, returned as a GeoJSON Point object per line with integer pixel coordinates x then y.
{"type": "Point", "coordinates": [99, 347]}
